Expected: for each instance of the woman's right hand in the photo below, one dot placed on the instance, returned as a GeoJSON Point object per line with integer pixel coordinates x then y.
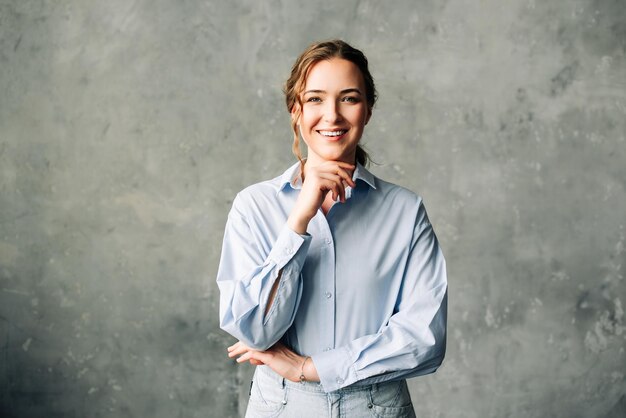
{"type": "Point", "coordinates": [328, 177]}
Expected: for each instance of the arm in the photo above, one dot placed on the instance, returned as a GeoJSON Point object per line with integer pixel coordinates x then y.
{"type": "Point", "coordinates": [259, 286]}
{"type": "Point", "coordinates": [413, 341]}
{"type": "Point", "coordinates": [411, 344]}
{"type": "Point", "coordinates": [279, 358]}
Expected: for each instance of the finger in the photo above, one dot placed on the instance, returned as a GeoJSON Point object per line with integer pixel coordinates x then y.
{"type": "Point", "coordinates": [245, 357]}
{"type": "Point", "coordinates": [346, 177]}
{"type": "Point", "coordinates": [337, 176]}
{"type": "Point", "coordinates": [334, 179]}
{"type": "Point", "coordinates": [334, 166]}
{"type": "Point", "coordinates": [341, 174]}
{"type": "Point", "coordinates": [346, 174]}
{"type": "Point", "coordinates": [237, 349]}
{"type": "Point", "coordinates": [330, 185]}
{"type": "Point", "coordinates": [339, 192]}
{"type": "Point", "coordinates": [260, 356]}
{"type": "Point", "coordinates": [347, 166]}
{"type": "Point", "coordinates": [234, 346]}
{"type": "Point", "coordinates": [332, 176]}
{"type": "Point", "coordinates": [238, 346]}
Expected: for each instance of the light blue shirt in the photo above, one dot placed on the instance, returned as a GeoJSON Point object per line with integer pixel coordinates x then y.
{"type": "Point", "coordinates": [364, 292]}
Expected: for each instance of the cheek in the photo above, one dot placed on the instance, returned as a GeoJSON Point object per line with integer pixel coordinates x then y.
{"type": "Point", "coordinates": [308, 119]}
{"type": "Point", "coordinates": [359, 117]}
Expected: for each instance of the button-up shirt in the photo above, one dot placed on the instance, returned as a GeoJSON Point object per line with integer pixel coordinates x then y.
{"type": "Point", "coordinates": [363, 292]}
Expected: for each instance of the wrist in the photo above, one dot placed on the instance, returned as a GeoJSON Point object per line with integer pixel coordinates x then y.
{"type": "Point", "coordinates": [303, 376]}
{"type": "Point", "coordinates": [309, 371]}
{"type": "Point", "coordinates": [298, 224]}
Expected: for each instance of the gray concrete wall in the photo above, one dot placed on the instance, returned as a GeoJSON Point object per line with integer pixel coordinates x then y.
{"type": "Point", "coordinates": [127, 127]}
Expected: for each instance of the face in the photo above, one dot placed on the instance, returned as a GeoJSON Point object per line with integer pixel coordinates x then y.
{"type": "Point", "coordinates": [334, 111]}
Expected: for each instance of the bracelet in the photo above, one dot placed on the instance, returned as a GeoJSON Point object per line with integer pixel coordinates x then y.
{"type": "Point", "coordinates": [302, 378]}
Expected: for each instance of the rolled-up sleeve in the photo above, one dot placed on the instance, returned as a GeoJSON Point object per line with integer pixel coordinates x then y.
{"type": "Point", "coordinates": [413, 341]}
{"type": "Point", "coordinates": [246, 274]}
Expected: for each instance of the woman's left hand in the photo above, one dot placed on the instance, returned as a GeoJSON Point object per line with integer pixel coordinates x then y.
{"type": "Point", "coordinates": [278, 357]}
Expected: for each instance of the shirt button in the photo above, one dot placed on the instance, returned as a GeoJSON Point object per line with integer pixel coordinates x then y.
{"type": "Point", "coordinates": [289, 250]}
{"type": "Point", "coordinates": [327, 349]}
{"type": "Point", "coordinates": [328, 295]}
{"type": "Point", "coordinates": [328, 241]}
{"type": "Point", "coordinates": [339, 380]}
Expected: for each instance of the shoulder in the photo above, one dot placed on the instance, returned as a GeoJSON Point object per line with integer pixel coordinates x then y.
{"type": "Point", "coordinates": [384, 190]}
{"type": "Point", "coordinates": [397, 194]}
{"type": "Point", "coordinates": [401, 201]}
{"type": "Point", "coordinates": [261, 193]}
{"type": "Point", "coordinates": [263, 188]}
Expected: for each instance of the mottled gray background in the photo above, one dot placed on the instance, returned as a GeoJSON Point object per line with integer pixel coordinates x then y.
{"type": "Point", "coordinates": [127, 127]}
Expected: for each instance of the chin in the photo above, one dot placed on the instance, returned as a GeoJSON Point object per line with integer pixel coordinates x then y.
{"type": "Point", "coordinates": [336, 157]}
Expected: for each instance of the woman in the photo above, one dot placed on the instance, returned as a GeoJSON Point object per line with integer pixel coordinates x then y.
{"type": "Point", "coordinates": [332, 279]}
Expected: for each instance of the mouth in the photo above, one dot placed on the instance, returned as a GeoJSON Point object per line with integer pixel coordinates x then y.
{"type": "Point", "coordinates": [334, 134]}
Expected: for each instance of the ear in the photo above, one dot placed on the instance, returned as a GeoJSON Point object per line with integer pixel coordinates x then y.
{"type": "Point", "coordinates": [294, 108]}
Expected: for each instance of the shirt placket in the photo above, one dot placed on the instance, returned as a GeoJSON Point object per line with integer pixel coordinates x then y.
{"type": "Point", "coordinates": [328, 283]}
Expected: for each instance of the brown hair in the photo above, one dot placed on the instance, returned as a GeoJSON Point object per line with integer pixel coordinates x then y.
{"type": "Point", "coordinates": [294, 86]}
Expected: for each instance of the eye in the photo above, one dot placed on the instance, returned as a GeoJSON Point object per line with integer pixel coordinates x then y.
{"type": "Point", "coordinates": [351, 99]}
{"type": "Point", "coordinates": [313, 99]}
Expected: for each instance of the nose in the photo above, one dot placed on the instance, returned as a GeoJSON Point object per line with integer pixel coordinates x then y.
{"type": "Point", "coordinates": [332, 111]}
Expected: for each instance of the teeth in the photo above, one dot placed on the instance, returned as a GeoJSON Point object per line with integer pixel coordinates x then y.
{"type": "Point", "coordinates": [333, 133]}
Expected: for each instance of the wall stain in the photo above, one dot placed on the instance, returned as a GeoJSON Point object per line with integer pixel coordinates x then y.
{"type": "Point", "coordinates": [17, 43]}
{"type": "Point", "coordinates": [563, 79]}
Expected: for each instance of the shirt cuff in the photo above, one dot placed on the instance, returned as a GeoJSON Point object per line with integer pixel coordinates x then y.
{"type": "Point", "coordinates": [287, 247]}
{"type": "Point", "coordinates": [334, 368]}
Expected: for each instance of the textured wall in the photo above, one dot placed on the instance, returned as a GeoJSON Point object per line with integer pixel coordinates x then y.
{"type": "Point", "coordinates": [127, 127]}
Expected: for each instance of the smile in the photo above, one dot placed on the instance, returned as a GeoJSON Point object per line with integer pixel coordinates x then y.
{"type": "Point", "coordinates": [333, 133]}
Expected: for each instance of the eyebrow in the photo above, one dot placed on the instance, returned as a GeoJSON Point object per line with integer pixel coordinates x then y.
{"type": "Point", "coordinates": [344, 91]}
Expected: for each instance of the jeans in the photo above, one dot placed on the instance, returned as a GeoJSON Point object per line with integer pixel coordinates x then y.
{"type": "Point", "coordinates": [273, 396]}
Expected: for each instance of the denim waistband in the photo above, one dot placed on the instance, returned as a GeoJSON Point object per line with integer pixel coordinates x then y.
{"type": "Point", "coordinates": [315, 387]}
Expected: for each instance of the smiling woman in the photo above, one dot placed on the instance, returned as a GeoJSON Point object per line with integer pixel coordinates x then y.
{"type": "Point", "coordinates": [332, 279]}
{"type": "Point", "coordinates": [334, 112]}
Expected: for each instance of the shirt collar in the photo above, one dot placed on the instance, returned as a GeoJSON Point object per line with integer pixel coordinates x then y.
{"type": "Point", "coordinates": [291, 177]}
{"type": "Point", "coordinates": [362, 173]}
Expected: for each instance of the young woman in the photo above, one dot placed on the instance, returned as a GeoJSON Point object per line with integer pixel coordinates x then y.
{"type": "Point", "coordinates": [332, 279]}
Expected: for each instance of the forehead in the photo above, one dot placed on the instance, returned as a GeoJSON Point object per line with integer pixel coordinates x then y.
{"type": "Point", "coordinates": [336, 73]}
